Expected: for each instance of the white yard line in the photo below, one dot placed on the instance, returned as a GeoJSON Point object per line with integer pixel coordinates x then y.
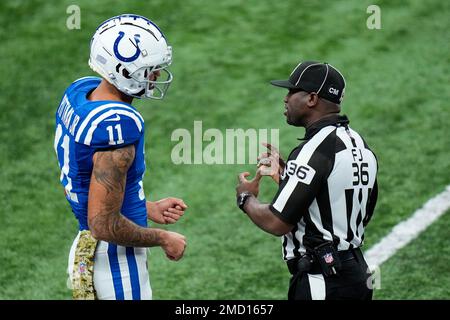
{"type": "Point", "coordinates": [409, 229]}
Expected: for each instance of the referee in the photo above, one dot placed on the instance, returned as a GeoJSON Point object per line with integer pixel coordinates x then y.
{"type": "Point", "coordinates": [327, 191]}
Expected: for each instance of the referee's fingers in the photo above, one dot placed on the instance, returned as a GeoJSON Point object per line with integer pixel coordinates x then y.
{"type": "Point", "coordinates": [270, 147]}
{"type": "Point", "coordinates": [242, 176]}
{"type": "Point", "coordinates": [263, 155]}
{"type": "Point", "coordinates": [258, 176]}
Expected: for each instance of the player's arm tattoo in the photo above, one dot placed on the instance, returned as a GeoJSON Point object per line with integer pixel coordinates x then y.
{"type": "Point", "coordinates": [106, 193]}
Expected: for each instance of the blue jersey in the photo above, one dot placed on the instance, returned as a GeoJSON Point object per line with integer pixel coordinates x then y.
{"type": "Point", "coordinates": [84, 127]}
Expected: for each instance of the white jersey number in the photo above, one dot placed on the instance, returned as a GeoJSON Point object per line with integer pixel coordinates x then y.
{"type": "Point", "coordinates": [112, 141]}
{"type": "Point", "coordinates": [65, 167]}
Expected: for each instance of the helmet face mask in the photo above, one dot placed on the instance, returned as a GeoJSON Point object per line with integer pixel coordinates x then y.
{"type": "Point", "coordinates": [153, 86]}
{"type": "Point", "coordinates": [131, 53]}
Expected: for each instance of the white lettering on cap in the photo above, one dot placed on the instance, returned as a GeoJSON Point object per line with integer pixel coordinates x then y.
{"type": "Point", "coordinates": [333, 91]}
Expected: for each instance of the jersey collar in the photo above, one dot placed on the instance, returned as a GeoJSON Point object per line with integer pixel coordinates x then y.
{"type": "Point", "coordinates": [332, 120]}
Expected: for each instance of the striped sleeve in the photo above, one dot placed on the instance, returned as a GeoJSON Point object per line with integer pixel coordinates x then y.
{"type": "Point", "coordinates": [110, 125]}
{"type": "Point", "coordinates": [304, 174]}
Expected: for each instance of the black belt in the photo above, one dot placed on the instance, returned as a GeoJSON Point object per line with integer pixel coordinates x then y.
{"type": "Point", "coordinates": [308, 263]}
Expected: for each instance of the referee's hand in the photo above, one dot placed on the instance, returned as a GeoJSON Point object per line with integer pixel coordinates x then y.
{"type": "Point", "coordinates": [245, 185]}
{"type": "Point", "coordinates": [275, 154]}
{"type": "Point", "coordinates": [270, 163]}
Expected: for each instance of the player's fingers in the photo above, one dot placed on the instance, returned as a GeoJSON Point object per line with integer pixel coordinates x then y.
{"type": "Point", "coordinates": [170, 257]}
{"type": "Point", "coordinates": [173, 212]}
{"type": "Point", "coordinates": [178, 202]}
{"type": "Point", "coordinates": [183, 205]}
{"type": "Point", "coordinates": [178, 257]}
{"type": "Point", "coordinates": [168, 217]}
{"type": "Point", "coordinates": [170, 220]}
{"type": "Point", "coordinates": [242, 176]}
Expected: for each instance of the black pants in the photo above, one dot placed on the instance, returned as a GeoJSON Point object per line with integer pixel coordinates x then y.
{"type": "Point", "coordinates": [351, 283]}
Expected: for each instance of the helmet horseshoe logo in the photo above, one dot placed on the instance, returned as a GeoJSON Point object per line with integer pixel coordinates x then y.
{"type": "Point", "coordinates": [116, 50]}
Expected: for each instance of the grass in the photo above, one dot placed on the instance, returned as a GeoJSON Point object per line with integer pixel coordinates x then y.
{"type": "Point", "coordinates": [224, 55]}
{"type": "Point", "coordinates": [421, 268]}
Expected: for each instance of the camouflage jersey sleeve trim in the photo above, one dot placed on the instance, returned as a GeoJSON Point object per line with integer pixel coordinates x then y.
{"type": "Point", "coordinates": [83, 269]}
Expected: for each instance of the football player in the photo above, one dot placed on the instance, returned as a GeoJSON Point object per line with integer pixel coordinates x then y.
{"type": "Point", "coordinates": [99, 142]}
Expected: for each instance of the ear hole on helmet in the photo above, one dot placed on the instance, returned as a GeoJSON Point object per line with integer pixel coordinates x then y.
{"type": "Point", "coordinates": [126, 74]}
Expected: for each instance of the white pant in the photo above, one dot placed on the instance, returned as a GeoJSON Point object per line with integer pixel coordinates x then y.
{"type": "Point", "coordinates": [120, 273]}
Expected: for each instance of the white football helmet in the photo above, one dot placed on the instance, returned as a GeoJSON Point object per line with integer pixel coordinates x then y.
{"type": "Point", "coordinates": [126, 49]}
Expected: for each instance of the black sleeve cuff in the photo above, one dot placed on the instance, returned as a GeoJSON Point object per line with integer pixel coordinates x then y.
{"type": "Point", "coordinates": [282, 217]}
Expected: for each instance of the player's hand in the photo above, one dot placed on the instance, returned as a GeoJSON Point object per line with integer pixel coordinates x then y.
{"type": "Point", "coordinates": [246, 185]}
{"type": "Point", "coordinates": [270, 163]}
{"type": "Point", "coordinates": [166, 211]}
{"type": "Point", "coordinates": [174, 245]}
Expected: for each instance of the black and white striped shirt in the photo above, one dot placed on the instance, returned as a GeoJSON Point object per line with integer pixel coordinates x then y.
{"type": "Point", "coordinates": [328, 189]}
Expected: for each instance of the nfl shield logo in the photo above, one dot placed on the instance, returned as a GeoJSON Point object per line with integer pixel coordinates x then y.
{"type": "Point", "coordinates": [328, 258]}
{"type": "Point", "coordinates": [82, 267]}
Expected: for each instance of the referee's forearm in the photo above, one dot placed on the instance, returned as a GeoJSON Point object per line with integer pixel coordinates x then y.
{"type": "Point", "coordinates": [261, 215]}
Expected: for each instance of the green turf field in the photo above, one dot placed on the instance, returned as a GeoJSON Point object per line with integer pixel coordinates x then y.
{"type": "Point", "coordinates": [397, 97]}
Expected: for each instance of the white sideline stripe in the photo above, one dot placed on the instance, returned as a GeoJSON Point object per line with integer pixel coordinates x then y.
{"type": "Point", "coordinates": [406, 231]}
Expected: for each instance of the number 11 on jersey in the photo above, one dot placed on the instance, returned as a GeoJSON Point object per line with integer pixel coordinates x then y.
{"type": "Point", "coordinates": [111, 134]}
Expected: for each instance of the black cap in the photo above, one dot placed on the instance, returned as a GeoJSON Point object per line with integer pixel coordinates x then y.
{"type": "Point", "coordinates": [313, 76]}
